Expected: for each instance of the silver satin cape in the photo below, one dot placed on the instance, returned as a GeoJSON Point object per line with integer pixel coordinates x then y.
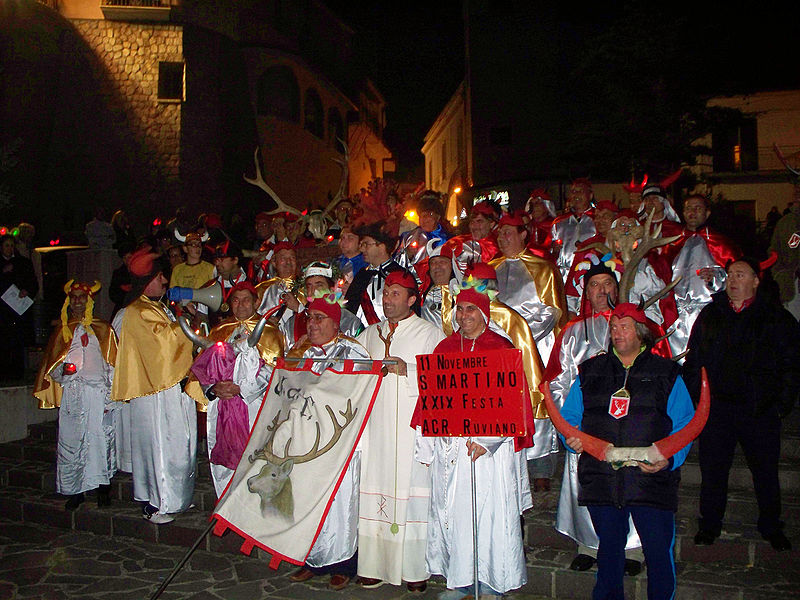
{"type": "Point", "coordinates": [86, 454]}
{"type": "Point", "coordinates": [252, 378]}
{"type": "Point", "coordinates": [449, 552]}
{"type": "Point", "coordinates": [338, 538]}
{"type": "Point", "coordinates": [517, 289]}
{"type": "Point", "coordinates": [692, 293]}
{"type": "Point", "coordinates": [163, 437]}
{"type": "Point", "coordinates": [569, 232]}
{"type": "Point", "coordinates": [581, 341]}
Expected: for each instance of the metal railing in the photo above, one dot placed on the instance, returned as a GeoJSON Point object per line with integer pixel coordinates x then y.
{"type": "Point", "coordinates": [140, 3]}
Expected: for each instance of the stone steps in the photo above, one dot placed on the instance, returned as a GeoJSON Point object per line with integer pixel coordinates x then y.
{"type": "Point", "coordinates": [740, 565]}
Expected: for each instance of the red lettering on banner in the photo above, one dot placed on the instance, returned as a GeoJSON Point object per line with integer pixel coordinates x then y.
{"type": "Point", "coordinates": [473, 394]}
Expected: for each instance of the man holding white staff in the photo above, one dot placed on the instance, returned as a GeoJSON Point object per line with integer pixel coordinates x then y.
{"type": "Point", "coordinates": [395, 488]}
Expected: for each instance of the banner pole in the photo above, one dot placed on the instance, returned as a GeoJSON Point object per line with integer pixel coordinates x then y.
{"type": "Point", "coordinates": [182, 562]}
{"type": "Point", "coordinates": [474, 523]}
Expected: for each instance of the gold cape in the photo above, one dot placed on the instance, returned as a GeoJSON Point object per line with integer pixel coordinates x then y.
{"type": "Point", "coordinates": [270, 347]}
{"type": "Point", "coordinates": [549, 285]}
{"type": "Point", "coordinates": [517, 329]}
{"type": "Point", "coordinates": [48, 391]}
{"type": "Point", "coordinates": [153, 353]}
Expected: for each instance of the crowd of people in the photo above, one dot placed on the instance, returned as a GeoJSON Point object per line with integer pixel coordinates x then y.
{"type": "Point", "coordinates": [616, 311]}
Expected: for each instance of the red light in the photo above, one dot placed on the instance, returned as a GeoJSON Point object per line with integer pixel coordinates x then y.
{"type": "Point", "coordinates": [305, 212]}
{"type": "Point", "coordinates": [413, 244]}
{"type": "Point", "coordinates": [70, 369]}
{"type": "Point", "coordinates": [156, 222]}
{"type": "Point", "coordinates": [219, 344]}
{"type": "Point", "coordinates": [3, 231]}
{"type": "Point", "coordinates": [330, 238]}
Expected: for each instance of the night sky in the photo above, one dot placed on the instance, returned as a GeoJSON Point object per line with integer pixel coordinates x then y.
{"type": "Point", "coordinates": [414, 51]}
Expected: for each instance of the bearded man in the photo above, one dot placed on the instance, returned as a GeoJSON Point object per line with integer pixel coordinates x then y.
{"type": "Point", "coordinates": [75, 377]}
{"type": "Point", "coordinates": [394, 487]}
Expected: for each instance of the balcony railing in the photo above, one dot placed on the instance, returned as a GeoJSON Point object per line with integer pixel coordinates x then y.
{"type": "Point", "coordinates": [138, 10]}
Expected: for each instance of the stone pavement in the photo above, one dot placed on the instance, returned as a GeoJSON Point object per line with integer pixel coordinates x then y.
{"type": "Point", "coordinates": [53, 564]}
{"type": "Point", "coordinates": [113, 553]}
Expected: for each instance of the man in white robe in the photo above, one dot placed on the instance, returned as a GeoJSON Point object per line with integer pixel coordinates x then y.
{"type": "Point", "coordinates": [395, 488]}
{"type": "Point", "coordinates": [251, 373]}
{"type": "Point", "coordinates": [334, 551]}
{"type": "Point", "coordinates": [75, 377]}
{"type": "Point", "coordinates": [154, 357]}
{"type": "Point", "coordinates": [501, 556]}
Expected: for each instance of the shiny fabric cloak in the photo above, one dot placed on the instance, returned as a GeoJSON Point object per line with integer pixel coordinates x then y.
{"type": "Point", "coordinates": [566, 232]}
{"type": "Point", "coordinates": [697, 250]}
{"type": "Point", "coordinates": [252, 371]}
{"type": "Point", "coordinates": [86, 451]}
{"type": "Point", "coordinates": [338, 539]}
{"type": "Point", "coordinates": [501, 557]}
{"type": "Point", "coordinates": [395, 488]}
{"type": "Point", "coordinates": [153, 357]}
{"type": "Point", "coordinates": [580, 340]}
{"type": "Point", "coordinates": [48, 394]}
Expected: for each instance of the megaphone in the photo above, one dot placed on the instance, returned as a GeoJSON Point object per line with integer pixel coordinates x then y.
{"type": "Point", "coordinates": [211, 295]}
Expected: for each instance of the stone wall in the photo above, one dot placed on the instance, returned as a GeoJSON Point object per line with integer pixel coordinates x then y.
{"type": "Point", "coordinates": [130, 54]}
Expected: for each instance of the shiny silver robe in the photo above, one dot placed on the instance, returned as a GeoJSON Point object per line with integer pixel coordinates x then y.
{"type": "Point", "coordinates": [692, 293]}
{"type": "Point", "coordinates": [86, 453]}
{"type": "Point", "coordinates": [517, 290]}
{"type": "Point", "coordinates": [569, 232]}
{"type": "Point", "coordinates": [338, 538]}
{"type": "Point", "coordinates": [581, 341]}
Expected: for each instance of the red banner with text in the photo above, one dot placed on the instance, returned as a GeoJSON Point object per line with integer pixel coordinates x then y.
{"type": "Point", "coordinates": [472, 394]}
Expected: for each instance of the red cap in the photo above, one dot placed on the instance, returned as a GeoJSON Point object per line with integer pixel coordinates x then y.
{"type": "Point", "coordinates": [330, 308]}
{"type": "Point", "coordinates": [243, 285]}
{"type": "Point", "coordinates": [628, 309]}
{"type": "Point", "coordinates": [485, 209]}
{"type": "Point", "coordinates": [540, 193]}
{"type": "Point", "coordinates": [282, 246]}
{"type": "Point", "coordinates": [473, 296]}
{"type": "Point", "coordinates": [141, 263]}
{"type": "Point", "coordinates": [402, 278]}
{"type": "Point", "coordinates": [511, 219]}
{"type": "Point", "coordinates": [481, 270]}
{"type": "Point", "coordinates": [213, 220]}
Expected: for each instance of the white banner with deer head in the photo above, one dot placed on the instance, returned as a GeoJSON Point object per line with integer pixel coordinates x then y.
{"type": "Point", "coordinates": [299, 449]}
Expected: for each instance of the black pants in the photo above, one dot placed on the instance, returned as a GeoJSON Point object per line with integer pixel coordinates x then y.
{"type": "Point", "coordinates": [346, 567]}
{"type": "Point", "coordinates": [760, 438]}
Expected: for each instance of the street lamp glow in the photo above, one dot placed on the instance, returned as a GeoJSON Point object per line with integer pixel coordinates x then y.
{"type": "Point", "coordinates": [457, 190]}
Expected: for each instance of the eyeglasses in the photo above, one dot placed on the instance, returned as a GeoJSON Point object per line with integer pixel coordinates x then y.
{"type": "Point", "coordinates": [366, 244]}
{"type": "Point", "coordinates": [318, 318]}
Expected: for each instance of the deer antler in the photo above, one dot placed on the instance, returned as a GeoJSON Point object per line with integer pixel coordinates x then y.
{"type": "Point", "coordinates": [259, 182]}
{"type": "Point", "coordinates": [340, 193]}
{"type": "Point", "coordinates": [783, 160]}
{"type": "Point", "coordinates": [649, 241]}
{"type": "Point", "coordinates": [267, 454]}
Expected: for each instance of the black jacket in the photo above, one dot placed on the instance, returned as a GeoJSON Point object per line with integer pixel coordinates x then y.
{"type": "Point", "coordinates": [650, 383]}
{"type": "Point", "coordinates": [752, 357]}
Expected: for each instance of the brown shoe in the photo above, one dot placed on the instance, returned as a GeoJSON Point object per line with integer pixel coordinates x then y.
{"type": "Point", "coordinates": [338, 582]}
{"type": "Point", "coordinates": [303, 574]}
{"type": "Point", "coordinates": [417, 586]}
{"type": "Point", "coordinates": [541, 485]}
{"type": "Point", "coordinates": [369, 583]}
